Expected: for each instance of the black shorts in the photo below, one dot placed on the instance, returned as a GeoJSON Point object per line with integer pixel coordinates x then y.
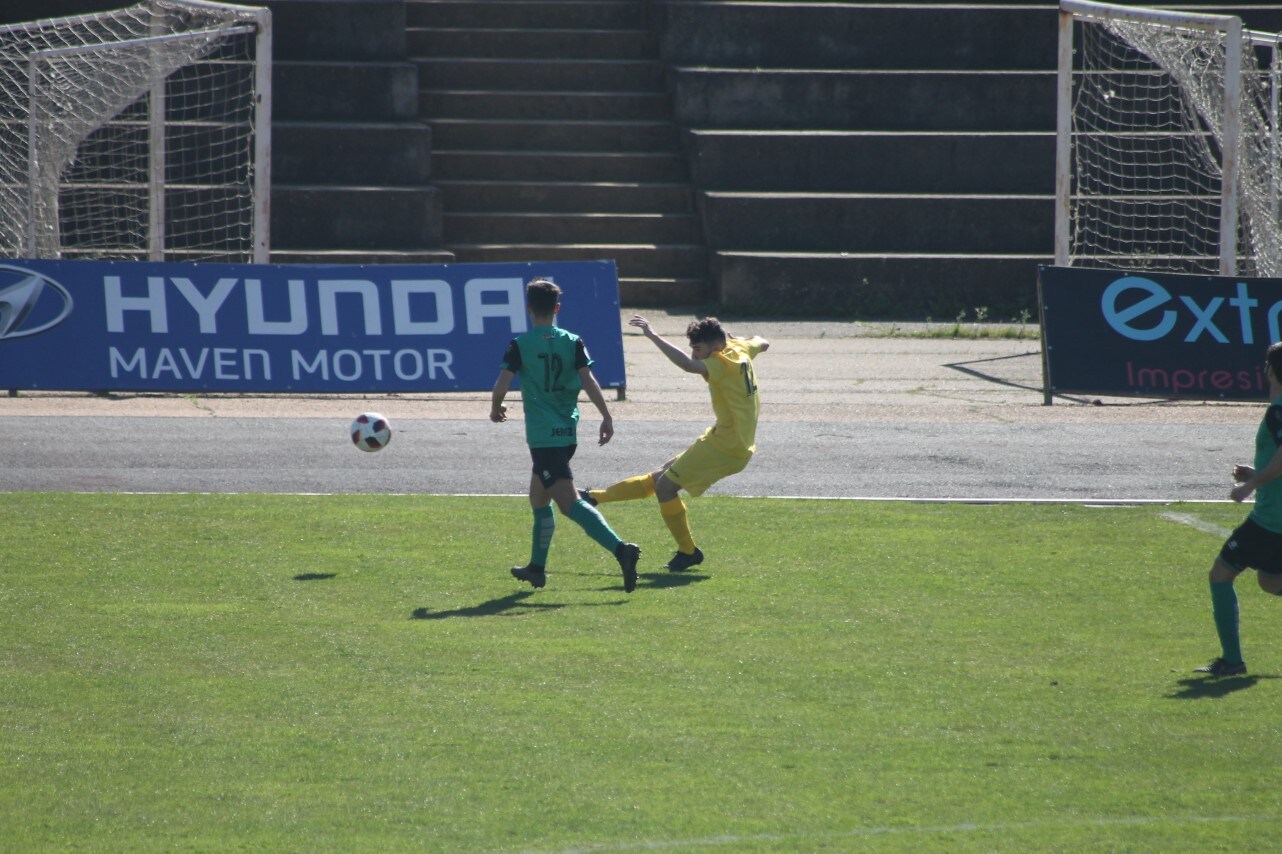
{"type": "Point", "coordinates": [552, 464]}
{"type": "Point", "coordinates": [1251, 546]}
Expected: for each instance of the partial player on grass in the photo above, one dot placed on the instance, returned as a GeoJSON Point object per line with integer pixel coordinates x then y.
{"type": "Point", "coordinates": [554, 366]}
{"type": "Point", "coordinates": [1257, 542]}
{"type": "Point", "coordinates": [725, 448]}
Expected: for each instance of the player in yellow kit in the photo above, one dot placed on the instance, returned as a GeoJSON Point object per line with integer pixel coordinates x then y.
{"type": "Point", "coordinates": [725, 448]}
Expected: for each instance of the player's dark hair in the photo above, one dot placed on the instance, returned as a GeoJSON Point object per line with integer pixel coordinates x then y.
{"type": "Point", "coordinates": [705, 331]}
{"type": "Point", "coordinates": [1274, 359]}
{"type": "Point", "coordinates": [541, 296]}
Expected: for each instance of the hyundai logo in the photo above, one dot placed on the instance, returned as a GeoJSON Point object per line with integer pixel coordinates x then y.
{"type": "Point", "coordinates": [30, 303]}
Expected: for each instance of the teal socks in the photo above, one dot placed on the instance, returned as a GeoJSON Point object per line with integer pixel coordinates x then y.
{"type": "Point", "coordinates": [594, 525]}
{"type": "Point", "coordinates": [541, 538]}
{"type": "Point", "coordinates": [1224, 609]}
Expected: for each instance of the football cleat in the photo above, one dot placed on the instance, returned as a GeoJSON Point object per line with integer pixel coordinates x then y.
{"type": "Point", "coordinates": [1220, 667]}
{"type": "Point", "coordinates": [532, 573]}
{"type": "Point", "coordinates": [627, 554]}
{"type": "Point", "coordinates": [681, 561]}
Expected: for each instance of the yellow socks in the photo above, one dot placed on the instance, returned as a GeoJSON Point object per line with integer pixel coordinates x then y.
{"type": "Point", "coordinates": [678, 522]}
{"type": "Point", "coordinates": [673, 512]}
{"type": "Point", "coordinates": [641, 486]}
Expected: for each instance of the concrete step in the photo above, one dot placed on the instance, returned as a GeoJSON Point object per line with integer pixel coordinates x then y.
{"type": "Point", "coordinates": [878, 285]}
{"type": "Point", "coordinates": [636, 262]}
{"type": "Point", "coordinates": [345, 91]}
{"type": "Point", "coordinates": [725, 99]}
{"type": "Point", "coordinates": [565, 136]}
{"type": "Point", "coordinates": [865, 36]}
{"type": "Point", "coordinates": [560, 75]}
{"type": "Point", "coordinates": [639, 167]}
{"type": "Point", "coordinates": [528, 14]}
{"type": "Point", "coordinates": [667, 292]}
{"type": "Point", "coordinates": [873, 162]}
{"type": "Point", "coordinates": [358, 218]}
{"type": "Point", "coordinates": [545, 106]}
{"type": "Point", "coordinates": [568, 228]}
{"type": "Point", "coordinates": [522, 43]}
{"type": "Point", "coordinates": [346, 153]}
{"type": "Point", "coordinates": [855, 223]}
{"type": "Point", "coordinates": [564, 197]}
{"type": "Point", "coordinates": [412, 256]}
{"type": "Point", "coordinates": [354, 31]}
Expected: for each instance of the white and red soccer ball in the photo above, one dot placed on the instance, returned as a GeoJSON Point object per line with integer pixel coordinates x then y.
{"type": "Point", "coordinates": [371, 431]}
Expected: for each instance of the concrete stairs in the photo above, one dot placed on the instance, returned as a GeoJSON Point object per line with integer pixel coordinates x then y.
{"type": "Point", "coordinates": [554, 139]}
{"type": "Point", "coordinates": [869, 160]}
{"type": "Point", "coordinates": [875, 160]}
{"type": "Point", "coordinates": [351, 160]}
{"type": "Point", "coordinates": [846, 157]}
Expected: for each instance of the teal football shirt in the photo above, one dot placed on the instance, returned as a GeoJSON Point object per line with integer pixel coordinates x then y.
{"type": "Point", "coordinates": [1268, 498]}
{"type": "Point", "coordinates": [547, 360]}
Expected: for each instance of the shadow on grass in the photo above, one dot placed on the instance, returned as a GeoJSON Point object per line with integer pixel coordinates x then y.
{"type": "Point", "coordinates": [664, 580]}
{"type": "Point", "coordinates": [315, 576]}
{"type": "Point", "coordinates": [1198, 688]}
{"type": "Point", "coordinates": [503, 606]}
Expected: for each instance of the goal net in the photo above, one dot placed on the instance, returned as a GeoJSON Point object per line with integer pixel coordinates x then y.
{"type": "Point", "coordinates": [1168, 142]}
{"type": "Point", "coordinates": [138, 134]}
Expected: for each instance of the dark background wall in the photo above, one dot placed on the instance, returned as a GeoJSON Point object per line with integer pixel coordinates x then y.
{"type": "Point", "coordinates": [849, 158]}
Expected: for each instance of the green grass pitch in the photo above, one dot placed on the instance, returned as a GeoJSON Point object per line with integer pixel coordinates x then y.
{"type": "Point", "coordinates": [254, 672]}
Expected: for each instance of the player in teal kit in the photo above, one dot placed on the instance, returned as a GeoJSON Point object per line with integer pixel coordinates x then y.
{"type": "Point", "coordinates": [554, 367]}
{"type": "Point", "coordinates": [1257, 542]}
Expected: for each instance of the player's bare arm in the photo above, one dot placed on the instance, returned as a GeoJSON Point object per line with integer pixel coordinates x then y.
{"type": "Point", "coordinates": [498, 412]}
{"type": "Point", "coordinates": [683, 360]}
{"type": "Point", "coordinates": [593, 389]}
{"type": "Point", "coordinates": [1255, 479]}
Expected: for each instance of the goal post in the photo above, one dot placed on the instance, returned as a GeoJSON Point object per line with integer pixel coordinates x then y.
{"type": "Point", "coordinates": [138, 134]}
{"type": "Point", "coordinates": [1167, 143]}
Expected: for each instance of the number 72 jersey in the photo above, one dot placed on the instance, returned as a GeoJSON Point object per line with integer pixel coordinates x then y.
{"type": "Point", "coordinates": [547, 360]}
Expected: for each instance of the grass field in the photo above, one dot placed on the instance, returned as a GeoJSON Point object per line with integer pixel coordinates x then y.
{"type": "Point", "coordinates": [360, 673]}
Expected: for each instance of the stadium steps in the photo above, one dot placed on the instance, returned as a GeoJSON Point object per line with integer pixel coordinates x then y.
{"type": "Point", "coordinates": [868, 159]}
{"type": "Point", "coordinates": [351, 159]}
{"type": "Point", "coordinates": [553, 139]}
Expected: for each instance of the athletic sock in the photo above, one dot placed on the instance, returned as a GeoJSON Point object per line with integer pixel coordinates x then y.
{"type": "Point", "coordinates": [594, 525]}
{"type": "Point", "coordinates": [1224, 609]}
{"type": "Point", "coordinates": [541, 538]}
{"type": "Point", "coordinates": [641, 486]}
{"type": "Point", "coordinates": [678, 522]}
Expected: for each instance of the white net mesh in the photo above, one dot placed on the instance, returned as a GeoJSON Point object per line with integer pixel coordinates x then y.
{"type": "Point", "coordinates": [130, 134]}
{"type": "Point", "coordinates": [1147, 141]}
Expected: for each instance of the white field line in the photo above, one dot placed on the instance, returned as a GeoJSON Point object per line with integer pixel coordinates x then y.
{"type": "Point", "coordinates": [1196, 523]}
{"type": "Point", "coordinates": [794, 838]}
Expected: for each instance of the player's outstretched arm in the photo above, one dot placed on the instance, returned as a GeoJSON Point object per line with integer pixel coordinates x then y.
{"type": "Point", "coordinates": [675, 354]}
{"type": "Point", "coordinates": [593, 389]}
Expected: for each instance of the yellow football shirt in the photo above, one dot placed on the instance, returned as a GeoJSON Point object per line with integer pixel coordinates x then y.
{"type": "Point", "coordinates": [732, 382]}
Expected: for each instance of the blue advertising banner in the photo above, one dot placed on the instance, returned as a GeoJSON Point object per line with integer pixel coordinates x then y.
{"type": "Point", "coordinates": [1156, 334]}
{"type": "Point", "coordinates": [130, 326]}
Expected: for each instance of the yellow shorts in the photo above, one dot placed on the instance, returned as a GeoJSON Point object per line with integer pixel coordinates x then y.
{"type": "Point", "coordinates": [702, 465]}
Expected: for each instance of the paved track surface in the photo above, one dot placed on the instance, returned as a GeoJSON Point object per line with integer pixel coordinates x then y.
{"type": "Point", "coordinates": [849, 410]}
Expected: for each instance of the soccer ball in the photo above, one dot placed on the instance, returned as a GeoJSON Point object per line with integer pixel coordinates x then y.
{"type": "Point", "coordinates": [371, 431]}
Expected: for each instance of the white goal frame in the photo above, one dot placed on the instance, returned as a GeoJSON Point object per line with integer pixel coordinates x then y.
{"type": "Point", "coordinates": [1242, 128]}
{"type": "Point", "coordinates": [37, 187]}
